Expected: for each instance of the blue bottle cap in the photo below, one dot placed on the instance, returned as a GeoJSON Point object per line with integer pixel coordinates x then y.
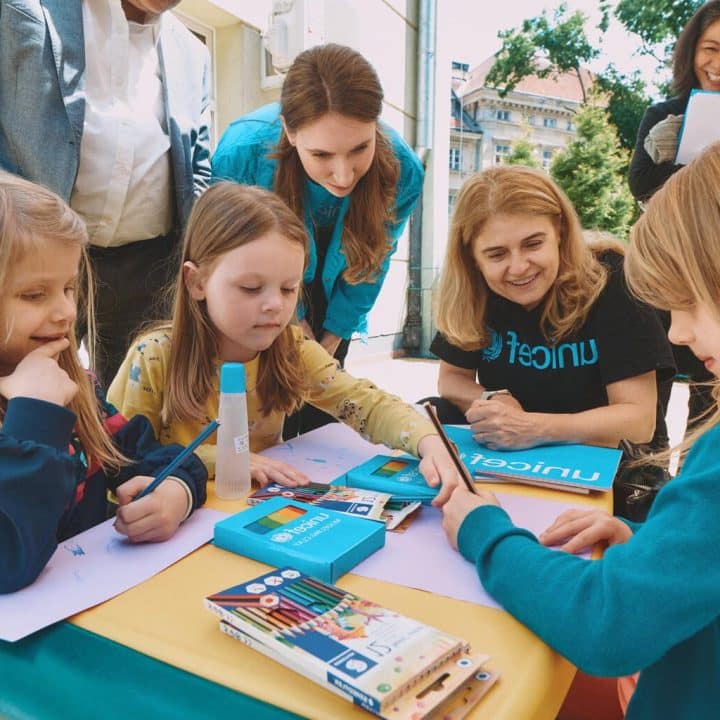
{"type": "Point", "coordinates": [232, 378]}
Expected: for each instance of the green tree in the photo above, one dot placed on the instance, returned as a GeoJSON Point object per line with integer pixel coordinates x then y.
{"type": "Point", "coordinates": [522, 153]}
{"type": "Point", "coordinates": [546, 47]}
{"type": "Point", "coordinates": [656, 22]}
{"type": "Point", "coordinates": [591, 171]}
{"type": "Point", "coordinates": [625, 100]}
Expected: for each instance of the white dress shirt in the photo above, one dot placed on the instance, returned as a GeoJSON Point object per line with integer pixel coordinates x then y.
{"type": "Point", "coordinates": [123, 188]}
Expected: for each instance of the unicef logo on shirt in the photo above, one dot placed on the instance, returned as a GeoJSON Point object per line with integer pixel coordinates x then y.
{"type": "Point", "coordinates": [281, 537]}
{"type": "Point", "coordinates": [493, 350]}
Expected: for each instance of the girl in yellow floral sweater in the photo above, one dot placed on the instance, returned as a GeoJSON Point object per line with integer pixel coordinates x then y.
{"type": "Point", "coordinates": [242, 267]}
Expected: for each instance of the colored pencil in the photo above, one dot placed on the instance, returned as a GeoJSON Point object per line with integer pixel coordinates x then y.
{"type": "Point", "coordinates": [450, 447]}
{"type": "Point", "coordinates": [182, 455]}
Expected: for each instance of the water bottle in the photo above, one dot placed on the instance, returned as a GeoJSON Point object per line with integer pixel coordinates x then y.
{"type": "Point", "coordinates": [232, 465]}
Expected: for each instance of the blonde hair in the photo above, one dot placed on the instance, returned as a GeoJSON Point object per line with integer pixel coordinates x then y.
{"type": "Point", "coordinates": [225, 217]}
{"type": "Point", "coordinates": [673, 261]}
{"type": "Point", "coordinates": [31, 217]}
{"type": "Point", "coordinates": [337, 79]}
{"type": "Point", "coordinates": [463, 292]}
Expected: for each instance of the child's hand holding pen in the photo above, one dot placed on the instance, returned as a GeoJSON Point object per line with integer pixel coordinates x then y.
{"type": "Point", "coordinates": [154, 517]}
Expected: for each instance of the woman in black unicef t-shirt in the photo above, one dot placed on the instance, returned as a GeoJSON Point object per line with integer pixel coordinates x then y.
{"type": "Point", "coordinates": [528, 308]}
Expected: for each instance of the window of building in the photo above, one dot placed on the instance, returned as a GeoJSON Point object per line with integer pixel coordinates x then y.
{"type": "Point", "coordinates": [570, 126]}
{"type": "Point", "coordinates": [546, 159]}
{"type": "Point", "coordinates": [532, 120]}
{"type": "Point", "coordinates": [455, 158]}
{"type": "Point", "coordinates": [502, 115]}
{"type": "Point", "coordinates": [501, 152]}
{"type": "Point", "coordinates": [549, 122]}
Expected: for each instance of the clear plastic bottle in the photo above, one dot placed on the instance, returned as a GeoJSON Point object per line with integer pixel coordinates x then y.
{"type": "Point", "coordinates": [232, 464]}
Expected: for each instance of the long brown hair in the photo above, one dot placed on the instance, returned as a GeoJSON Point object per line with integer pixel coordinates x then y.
{"type": "Point", "coordinates": [684, 78]}
{"type": "Point", "coordinates": [673, 261]}
{"type": "Point", "coordinates": [31, 218]}
{"type": "Point", "coordinates": [333, 78]}
{"type": "Point", "coordinates": [225, 217]}
{"type": "Point", "coordinates": [463, 292]}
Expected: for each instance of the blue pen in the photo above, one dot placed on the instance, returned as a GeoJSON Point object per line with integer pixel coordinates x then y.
{"type": "Point", "coordinates": [167, 470]}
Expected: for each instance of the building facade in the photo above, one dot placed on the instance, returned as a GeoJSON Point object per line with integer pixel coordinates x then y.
{"type": "Point", "coordinates": [484, 126]}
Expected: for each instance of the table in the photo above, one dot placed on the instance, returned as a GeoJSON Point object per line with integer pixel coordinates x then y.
{"type": "Point", "coordinates": [156, 650]}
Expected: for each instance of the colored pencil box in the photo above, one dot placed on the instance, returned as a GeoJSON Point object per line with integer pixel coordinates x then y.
{"type": "Point", "coordinates": [398, 475]}
{"type": "Point", "coordinates": [317, 541]}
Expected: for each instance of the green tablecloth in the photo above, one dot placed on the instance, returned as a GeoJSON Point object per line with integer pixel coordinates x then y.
{"type": "Point", "coordinates": [67, 672]}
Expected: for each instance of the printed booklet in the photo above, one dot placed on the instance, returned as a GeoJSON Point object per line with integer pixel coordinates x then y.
{"type": "Point", "coordinates": [385, 662]}
{"type": "Point", "coordinates": [353, 501]}
{"type": "Point", "coordinates": [577, 468]}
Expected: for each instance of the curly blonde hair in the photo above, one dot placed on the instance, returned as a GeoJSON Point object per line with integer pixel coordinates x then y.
{"type": "Point", "coordinates": [463, 293]}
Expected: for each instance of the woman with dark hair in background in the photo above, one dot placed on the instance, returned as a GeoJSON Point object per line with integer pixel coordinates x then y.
{"type": "Point", "coordinates": [696, 64]}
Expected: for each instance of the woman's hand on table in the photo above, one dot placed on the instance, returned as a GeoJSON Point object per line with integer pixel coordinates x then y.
{"type": "Point", "coordinates": [501, 424]}
{"type": "Point", "coordinates": [460, 504]}
{"type": "Point", "coordinates": [265, 470]}
{"type": "Point", "coordinates": [581, 529]}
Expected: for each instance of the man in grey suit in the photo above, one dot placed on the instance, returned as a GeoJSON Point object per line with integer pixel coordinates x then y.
{"type": "Point", "coordinates": [106, 103]}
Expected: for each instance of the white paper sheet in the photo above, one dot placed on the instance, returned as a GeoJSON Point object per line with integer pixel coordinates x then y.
{"type": "Point", "coordinates": [327, 452]}
{"type": "Point", "coordinates": [700, 125]}
{"type": "Point", "coordinates": [93, 567]}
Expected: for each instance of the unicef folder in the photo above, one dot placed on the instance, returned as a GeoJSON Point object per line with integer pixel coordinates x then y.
{"type": "Point", "coordinates": [578, 468]}
{"type": "Point", "coordinates": [317, 541]}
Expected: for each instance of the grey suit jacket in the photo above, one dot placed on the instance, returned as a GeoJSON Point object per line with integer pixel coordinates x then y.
{"type": "Point", "coordinates": [42, 97]}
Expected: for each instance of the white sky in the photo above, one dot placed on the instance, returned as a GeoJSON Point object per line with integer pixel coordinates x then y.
{"type": "Point", "coordinates": [473, 25]}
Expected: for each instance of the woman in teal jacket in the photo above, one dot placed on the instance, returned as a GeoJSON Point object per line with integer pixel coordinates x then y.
{"type": "Point", "coordinates": [354, 180]}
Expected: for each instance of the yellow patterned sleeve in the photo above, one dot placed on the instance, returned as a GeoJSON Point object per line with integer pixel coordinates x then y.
{"type": "Point", "coordinates": [377, 415]}
{"type": "Point", "coordinates": [138, 387]}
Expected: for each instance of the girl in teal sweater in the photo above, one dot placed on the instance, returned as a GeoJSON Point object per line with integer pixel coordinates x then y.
{"type": "Point", "coordinates": [652, 603]}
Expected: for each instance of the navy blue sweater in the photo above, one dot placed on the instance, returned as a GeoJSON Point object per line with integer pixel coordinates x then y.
{"type": "Point", "coordinates": [47, 493]}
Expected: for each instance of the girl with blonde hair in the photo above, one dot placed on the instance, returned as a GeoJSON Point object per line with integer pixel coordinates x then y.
{"type": "Point", "coordinates": [652, 602]}
{"type": "Point", "coordinates": [62, 447]}
{"type": "Point", "coordinates": [244, 254]}
{"type": "Point", "coordinates": [351, 179]}
{"type": "Point", "coordinates": [538, 339]}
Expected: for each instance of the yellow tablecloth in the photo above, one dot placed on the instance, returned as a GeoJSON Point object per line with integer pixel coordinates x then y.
{"type": "Point", "coordinates": [165, 619]}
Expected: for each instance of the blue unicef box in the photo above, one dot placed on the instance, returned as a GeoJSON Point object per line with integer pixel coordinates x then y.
{"type": "Point", "coordinates": [316, 541]}
{"type": "Point", "coordinates": [398, 475]}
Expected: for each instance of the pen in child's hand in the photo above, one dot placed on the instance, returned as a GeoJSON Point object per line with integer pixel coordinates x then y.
{"type": "Point", "coordinates": [450, 447]}
{"type": "Point", "coordinates": [184, 453]}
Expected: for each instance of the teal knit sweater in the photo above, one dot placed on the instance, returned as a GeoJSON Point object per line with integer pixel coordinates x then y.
{"type": "Point", "coordinates": [651, 604]}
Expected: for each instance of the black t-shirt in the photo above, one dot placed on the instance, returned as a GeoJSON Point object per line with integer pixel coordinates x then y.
{"type": "Point", "coordinates": [620, 339]}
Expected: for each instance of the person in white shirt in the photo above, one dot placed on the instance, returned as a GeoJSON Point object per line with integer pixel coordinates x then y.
{"type": "Point", "coordinates": [106, 102]}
